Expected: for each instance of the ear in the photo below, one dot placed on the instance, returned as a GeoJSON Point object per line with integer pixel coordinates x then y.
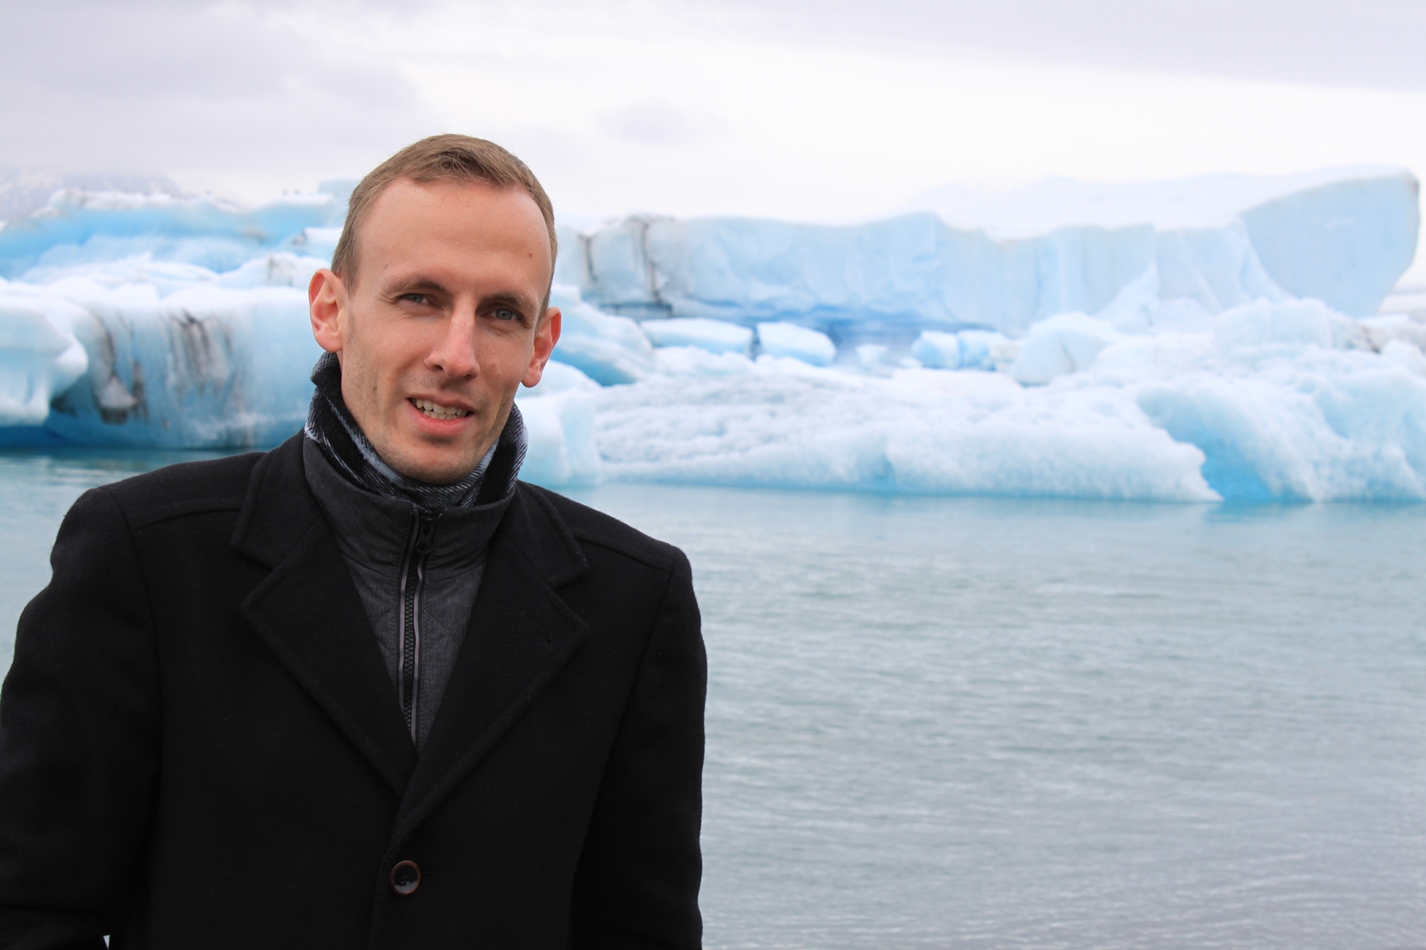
{"type": "Point", "coordinates": [327, 304]}
{"type": "Point", "coordinates": [547, 334]}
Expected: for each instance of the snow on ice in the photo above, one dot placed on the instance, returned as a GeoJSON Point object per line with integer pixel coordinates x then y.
{"type": "Point", "coordinates": [1197, 340]}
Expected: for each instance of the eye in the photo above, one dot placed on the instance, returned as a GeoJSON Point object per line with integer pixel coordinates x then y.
{"type": "Point", "coordinates": [416, 298]}
{"type": "Point", "coordinates": [507, 314]}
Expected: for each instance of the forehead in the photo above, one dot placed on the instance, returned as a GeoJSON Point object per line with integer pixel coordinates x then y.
{"type": "Point", "coordinates": [455, 224]}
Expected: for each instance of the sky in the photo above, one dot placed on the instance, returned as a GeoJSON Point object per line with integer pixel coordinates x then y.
{"type": "Point", "coordinates": [818, 110]}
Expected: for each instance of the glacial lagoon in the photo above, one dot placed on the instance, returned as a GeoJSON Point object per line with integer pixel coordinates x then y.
{"type": "Point", "coordinates": [987, 722]}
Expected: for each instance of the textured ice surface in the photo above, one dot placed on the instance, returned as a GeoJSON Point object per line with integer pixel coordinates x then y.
{"type": "Point", "coordinates": [205, 366]}
{"type": "Point", "coordinates": [1252, 409]}
{"type": "Point", "coordinates": [1191, 340]}
{"type": "Point", "coordinates": [1343, 237]}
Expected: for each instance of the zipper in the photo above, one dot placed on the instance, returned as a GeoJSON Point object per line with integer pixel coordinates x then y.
{"type": "Point", "coordinates": [413, 576]}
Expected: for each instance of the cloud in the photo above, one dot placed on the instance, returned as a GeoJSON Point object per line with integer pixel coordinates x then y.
{"type": "Point", "coordinates": [157, 85]}
{"type": "Point", "coordinates": [1366, 43]}
{"type": "Point", "coordinates": [657, 122]}
{"type": "Point", "coordinates": [806, 108]}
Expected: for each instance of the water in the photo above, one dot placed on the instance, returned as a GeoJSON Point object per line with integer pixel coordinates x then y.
{"type": "Point", "coordinates": [987, 723]}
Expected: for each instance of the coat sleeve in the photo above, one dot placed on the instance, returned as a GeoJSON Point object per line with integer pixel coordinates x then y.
{"type": "Point", "coordinates": [637, 884]}
{"type": "Point", "coordinates": [78, 741]}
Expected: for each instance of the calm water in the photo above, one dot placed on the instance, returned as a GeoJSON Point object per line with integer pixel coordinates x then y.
{"type": "Point", "coordinates": [984, 723]}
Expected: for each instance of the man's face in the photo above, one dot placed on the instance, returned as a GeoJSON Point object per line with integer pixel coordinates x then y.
{"type": "Point", "coordinates": [443, 322]}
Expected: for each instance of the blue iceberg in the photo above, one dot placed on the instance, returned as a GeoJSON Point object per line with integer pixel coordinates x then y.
{"type": "Point", "coordinates": [1199, 340]}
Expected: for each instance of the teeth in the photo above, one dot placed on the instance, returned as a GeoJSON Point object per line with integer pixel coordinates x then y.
{"type": "Point", "coordinates": [438, 412]}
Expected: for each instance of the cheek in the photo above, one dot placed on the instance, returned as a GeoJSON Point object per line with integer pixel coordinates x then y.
{"type": "Point", "coordinates": [385, 359]}
{"type": "Point", "coordinates": [498, 352]}
{"type": "Point", "coordinates": [366, 384]}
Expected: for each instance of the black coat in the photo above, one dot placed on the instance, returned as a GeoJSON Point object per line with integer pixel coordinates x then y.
{"type": "Point", "coordinates": [200, 746]}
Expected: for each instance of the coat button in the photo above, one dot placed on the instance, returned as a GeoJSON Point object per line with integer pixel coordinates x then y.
{"type": "Point", "coordinates": [405, 878]}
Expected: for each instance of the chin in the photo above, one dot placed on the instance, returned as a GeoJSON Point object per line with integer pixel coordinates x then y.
{"type": "Point", "coordinates": [434, 471]}
{"type": "Point", "coordinates": [448, 471]}
{"type": "Point", "coordinates": [438, 474]}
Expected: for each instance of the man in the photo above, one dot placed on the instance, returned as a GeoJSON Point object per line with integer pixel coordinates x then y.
{"type": "Point", "coordinates": [366, 690]}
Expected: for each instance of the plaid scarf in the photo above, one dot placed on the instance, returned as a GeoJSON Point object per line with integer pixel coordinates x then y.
{"type": "Point", "coordinates": [331, 426]}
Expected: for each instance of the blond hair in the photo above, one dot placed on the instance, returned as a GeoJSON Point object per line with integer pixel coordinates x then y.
{"type": "Point", "coordinates": [449, 157]}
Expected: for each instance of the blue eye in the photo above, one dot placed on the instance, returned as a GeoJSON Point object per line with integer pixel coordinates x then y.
{"type": "Point", "coordinates": [416, 298]}
{"type": "Point", "coordinates": [505, 313]}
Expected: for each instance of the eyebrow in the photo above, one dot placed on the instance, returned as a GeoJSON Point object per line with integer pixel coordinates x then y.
{"type": "Point", "coordinates": [415, 284]}
{"type": "Point", "coordinates": [419, 283]}
{"type": "Point", "coordinates": [517, 302]}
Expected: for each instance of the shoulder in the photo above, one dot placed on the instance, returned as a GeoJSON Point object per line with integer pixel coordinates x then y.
{"type": "Point", "coordinates": [175, 491]}
{"type": "Point", "coordinates": [594, 529]}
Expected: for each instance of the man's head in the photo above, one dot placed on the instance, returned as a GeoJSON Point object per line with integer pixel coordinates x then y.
{"type": "Point", "coordinates": [436, 303]}
{"type": "Point", "coordinates": [454, 158]}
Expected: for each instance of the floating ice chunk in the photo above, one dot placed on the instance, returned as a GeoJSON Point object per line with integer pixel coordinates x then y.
{"type": "Point", "coordinates": [205, 367]}
{"type": "Point", "coordinates": [1295, 323]}
{"type": "Point", "coordinates": [795, 342]}
{"type": "Point", "coordinates": [715, 336]}
{"type": "Point", "coordinates": [607, 349]}
{"type": "Point", "coordinates": [921, 430]}
{"type": "Point", "coordinates": [40, 357]}
{"type": "Point", "coordinates": [560, 430]}
{"type": "Point", "coordinates": [1342, 425]}
{"type": "Point", "coordinates": [1068, 343]}
{"type": "Point", "coordinates": [985, 349]}
{"type": "Point", "coordinates": [1054, 353]}
{"type": "Point", "coordinates": [939, 350]}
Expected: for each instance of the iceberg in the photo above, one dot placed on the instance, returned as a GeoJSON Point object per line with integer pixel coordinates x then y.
{"type": "Point", "coordinates": [715, 336]}
{"type": "Point", "coordinates": [937, 349]}
{"type": "Point", "coordinates": [608, 349]}
{"type": "Point", "coordinates": [79, 229]}
{"type": "Point", "coordinates": [39, 356]}
{"type": "Point", "coordinates": [204, 367]}
{"type": "Point", "coordinates": [1214, 339]}
{"type": "Point", "coordinates": [1254, 410]}
{"type": "Point", "coordinates": [794, 342]}
{"type": "Point", "coordinates": [1340, 236]}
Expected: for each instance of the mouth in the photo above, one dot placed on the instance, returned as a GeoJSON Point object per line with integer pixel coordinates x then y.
{"type": "Point", "coordinates": [434, 410]}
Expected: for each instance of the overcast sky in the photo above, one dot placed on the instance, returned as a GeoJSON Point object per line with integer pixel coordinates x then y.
{"type": "Point", "coordinates": [812, 109]}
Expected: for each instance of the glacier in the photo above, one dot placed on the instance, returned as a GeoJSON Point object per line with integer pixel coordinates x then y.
{"type": "Point", "coordinates": [1201, 340]}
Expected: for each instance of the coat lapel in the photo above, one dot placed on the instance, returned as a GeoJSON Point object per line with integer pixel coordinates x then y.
{"type": "Point", "coordinates": [519, 636]}
{"type": "Point", "coordinates": [310, 615]}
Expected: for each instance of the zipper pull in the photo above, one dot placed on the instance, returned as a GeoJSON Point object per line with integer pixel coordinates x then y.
{"type": "Point", "coordinates": [424, 534]}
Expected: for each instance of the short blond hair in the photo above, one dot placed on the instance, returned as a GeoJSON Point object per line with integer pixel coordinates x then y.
{"type": "Point", "coordinates": [449, 157]}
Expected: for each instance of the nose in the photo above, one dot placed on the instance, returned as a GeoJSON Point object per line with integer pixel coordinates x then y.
{"type": "Point", "coordinates": [454, 351]}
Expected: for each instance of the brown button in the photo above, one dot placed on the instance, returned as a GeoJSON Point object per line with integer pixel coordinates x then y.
{"type": "Point", "coordinates": [405, 878]}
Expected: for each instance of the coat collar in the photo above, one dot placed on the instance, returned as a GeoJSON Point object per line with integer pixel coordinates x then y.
{"type": "Point", "coordinates": [308, 612]}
